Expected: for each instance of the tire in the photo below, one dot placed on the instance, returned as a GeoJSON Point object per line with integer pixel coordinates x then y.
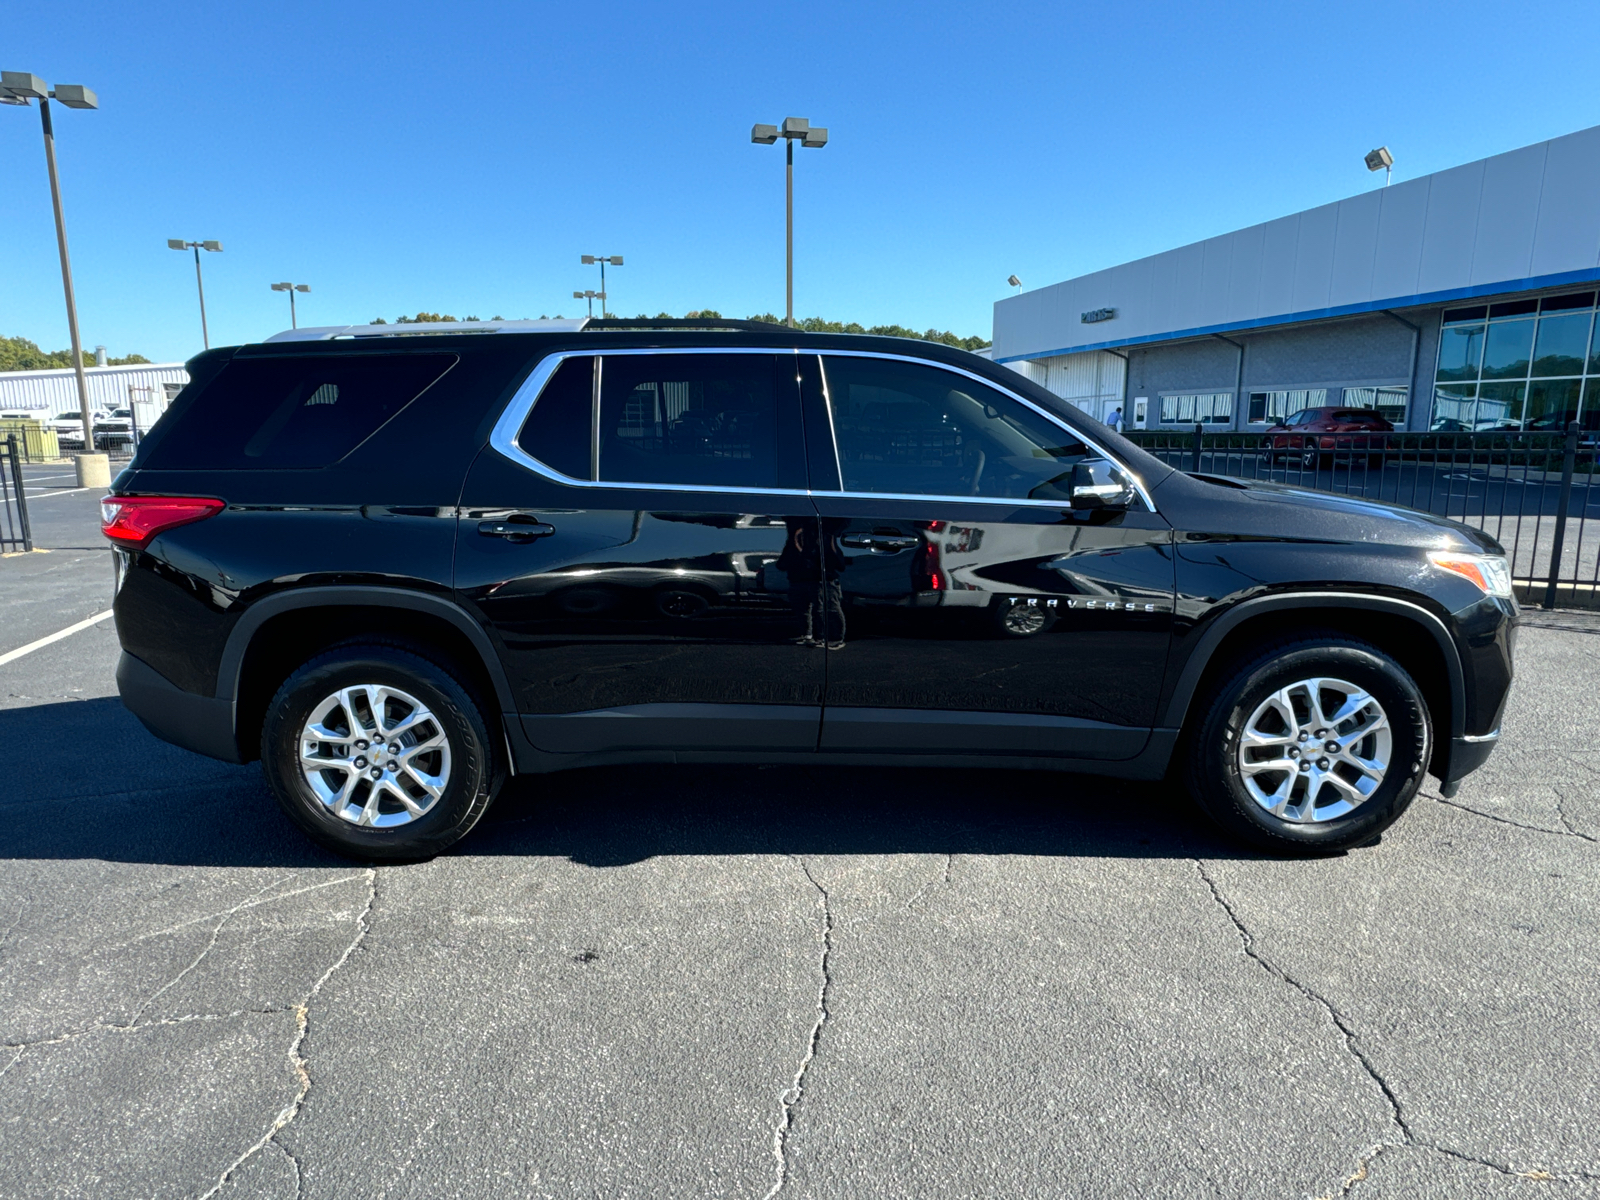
{"type": "Point", "coordinates": [1214, 755]}
{"type": "Point", "coordinates": [459, 757]}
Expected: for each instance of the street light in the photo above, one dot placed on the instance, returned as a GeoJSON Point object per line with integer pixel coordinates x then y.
{"type": "Point", "coordinates": [216, 247]}
{"type": "Point", "coordinates": [292, 288]}
{"type": "Point", "coordinates": [794, 129]}
{"type": "Point", "coordinates": [1014, 282]}
{"type": "Point", "coordinates": [591, 297]}
{"type": "Point", "coordinates": [589, 260]}
{"type": "Point", "coordinates": [19, 87]}
{"type": "Point", "coordinates": [1381, 158]}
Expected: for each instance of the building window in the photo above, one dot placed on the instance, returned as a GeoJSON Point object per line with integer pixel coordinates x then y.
{"type": "Point", "coordinates": [1272, 408]}
{"type": "Point", "coordinates": [1389, 402]}
{"type": "Point", "coordinates": [1519, 364]}
{"type": "Point", "coordinates": [1206, 408]}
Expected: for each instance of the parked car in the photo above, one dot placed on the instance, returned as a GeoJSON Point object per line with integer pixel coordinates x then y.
{"type": "Point", "coordinates": [634, 542]}
{"type": "Point", "coordinates": [1317, 436]}
{"type": "Point", "coordinates": [113, 432]}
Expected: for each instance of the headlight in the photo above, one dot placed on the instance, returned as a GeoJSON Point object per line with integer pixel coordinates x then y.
{"type": "Point", "coordinates": [1488, 571]}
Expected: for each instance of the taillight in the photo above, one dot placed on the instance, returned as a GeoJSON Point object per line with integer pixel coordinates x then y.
{"type": "Point", "coordinates": [134, 520]}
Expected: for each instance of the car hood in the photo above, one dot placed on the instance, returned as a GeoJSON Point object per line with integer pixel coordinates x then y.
{"type": "Point", "coordinates": [1218, 504]}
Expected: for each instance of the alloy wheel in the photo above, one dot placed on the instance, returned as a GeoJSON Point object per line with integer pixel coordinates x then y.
{"type": "Point", "coordinates": [375, 756]}
{"type": "Point", "coordinates": [1315, 750]}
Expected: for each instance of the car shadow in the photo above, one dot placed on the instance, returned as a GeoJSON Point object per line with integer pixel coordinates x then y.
{"type": "Point", "coordinates": [85, 780]}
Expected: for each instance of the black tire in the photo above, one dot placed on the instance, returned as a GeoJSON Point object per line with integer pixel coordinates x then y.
{"type": "Point", "coordinates": [1211, 768]}
{"type": "Point", "coordinates": [476, 767]}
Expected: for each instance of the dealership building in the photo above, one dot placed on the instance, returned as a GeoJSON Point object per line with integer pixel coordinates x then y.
{"type": "Point", "coordinates": [1463, 300]}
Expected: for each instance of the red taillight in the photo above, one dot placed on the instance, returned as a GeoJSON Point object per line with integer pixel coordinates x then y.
{"type": "Point", "coordinates": [134, 520]}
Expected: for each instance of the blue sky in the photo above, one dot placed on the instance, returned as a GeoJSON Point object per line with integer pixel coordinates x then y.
{"type": "Point", "coordinates": [460, 157]}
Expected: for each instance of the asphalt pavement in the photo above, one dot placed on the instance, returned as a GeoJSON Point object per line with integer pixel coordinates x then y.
{"type": "Point", "coordinates": [681, 981]}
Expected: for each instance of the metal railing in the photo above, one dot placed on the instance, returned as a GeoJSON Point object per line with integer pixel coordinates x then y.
{"type": "Point", "coordinates": [1537, 494]}
{"type": "Point", "coordinates": [15, 533]}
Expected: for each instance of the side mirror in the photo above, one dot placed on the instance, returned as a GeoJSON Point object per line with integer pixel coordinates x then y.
{"type": "Point", "coordinates": [1097, 484]}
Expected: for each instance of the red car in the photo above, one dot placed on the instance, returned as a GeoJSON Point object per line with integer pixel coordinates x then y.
{"type": "Point", "coordinates": [1314, 436]}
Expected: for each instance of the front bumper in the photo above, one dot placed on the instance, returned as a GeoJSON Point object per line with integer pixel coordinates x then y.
{"type": "Point", "coordinates": [1467, 754]}
{"type": "Point", "coordinates": [203, 724]}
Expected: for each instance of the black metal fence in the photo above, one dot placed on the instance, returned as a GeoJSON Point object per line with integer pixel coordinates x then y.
{"type": "Point", "coordinates": [1538, 494]}
{"type": "Point", "coordinates": [15, 533]}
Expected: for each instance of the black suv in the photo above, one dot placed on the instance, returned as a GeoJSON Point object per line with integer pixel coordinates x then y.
{"type": "Point", "coordinates": [401, 567]}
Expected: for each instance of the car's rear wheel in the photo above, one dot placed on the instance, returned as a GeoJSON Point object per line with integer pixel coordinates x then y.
{"type": "Point", "coordinates": [379, 753]}
{"type": "Point", "coordinates": [1310, 748]}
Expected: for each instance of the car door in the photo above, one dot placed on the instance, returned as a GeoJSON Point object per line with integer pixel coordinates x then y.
{"type": "Point", "coordinates": [632, 536]}
{"type": "Point", "coordinates": [972, 608]}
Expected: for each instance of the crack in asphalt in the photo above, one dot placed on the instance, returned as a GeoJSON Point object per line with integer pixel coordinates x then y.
{"type": "Point", "coordinates": [1409, 1137]}
{"type": "Point", "coordinates": [911, 904]}
{"type": "Point", "coordinates": [1568, 832]}
{"type": "Point", "coordinates": [1561, 812]}
{"type": "Point", "coordinates": [207, 949]}
{"type": "Point", "coordinates": [1247, 939]}
{"type": "Point", "coordinates": [789, 1102]}
{"type": "Point", "coordinates": [296, 1059]}
{"type": "Point", "coordinates": [251, 903]}
{"type": "Point", "coordinates": [17, 920]}
{"type": "Point", "coordinates": [299, 1179]}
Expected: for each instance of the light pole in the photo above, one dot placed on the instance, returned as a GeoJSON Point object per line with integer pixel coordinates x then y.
{"type": "Point", "coordinates": [216, 247]}
{"type": "Point", "coordinates": [591, 297]}
{"type": "Point", "coordinates": [589, 260]}
{"type": "Point", "coordinates": [794, 128]}
{"type": "Point", "coordinates": [19, 87]}
{"type": "Point", "coordinates": [292, 288]}
{"type": "Point", "coordinates": [1381, 158]}
{"type": "Point", "coordinates": [1014, 282]}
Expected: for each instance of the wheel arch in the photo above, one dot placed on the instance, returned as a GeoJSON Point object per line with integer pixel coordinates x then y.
{"type": "Point", "coordinates": [1393, 625]}
{"type": "Point", "coordinates": [278, 633]}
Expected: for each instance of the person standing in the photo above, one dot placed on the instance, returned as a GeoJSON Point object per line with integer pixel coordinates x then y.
{"type": "Point", "coordinates": [1115, 419]}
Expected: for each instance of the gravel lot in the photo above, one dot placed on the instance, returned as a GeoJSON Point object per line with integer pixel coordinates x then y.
{"type": "Point", "coordinates": [692, 982]}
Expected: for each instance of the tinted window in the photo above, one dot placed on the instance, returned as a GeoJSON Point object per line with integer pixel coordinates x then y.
{"type": "Point", "coordinates": [557, 431]}
{"type": "Point", "coordinates": [701, 419]}
{"type": "Point", "coordinates": [907, 429]}
{"type": "Point", "coordinates": [266, 413]}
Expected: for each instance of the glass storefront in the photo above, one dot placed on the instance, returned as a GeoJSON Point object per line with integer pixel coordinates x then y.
{"type": "Point", "coordinates": [1520, 364]}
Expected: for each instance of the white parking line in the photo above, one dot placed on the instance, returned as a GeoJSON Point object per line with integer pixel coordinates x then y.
{"type": "Point", "coordinates": [12, 655]}
{"type": "Point", "coordinates": [63, 492]}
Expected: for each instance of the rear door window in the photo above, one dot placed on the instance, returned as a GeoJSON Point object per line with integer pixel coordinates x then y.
{"type": "Point", "coordinates": [702, 420]}
{"type": "Point", "coordinates": [284, 413]}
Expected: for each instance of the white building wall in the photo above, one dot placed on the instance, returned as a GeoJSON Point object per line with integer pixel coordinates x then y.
{"type": "Point", "coordinates": [1498, 224]}
{"type": "Point", "coordinates": [50, 393]}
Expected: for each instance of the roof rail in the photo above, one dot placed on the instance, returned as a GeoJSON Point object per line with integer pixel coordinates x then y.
{"type": "Point", "coordinates": [685, 323]}
{"type": "Point", "coordinates": [420, 328]}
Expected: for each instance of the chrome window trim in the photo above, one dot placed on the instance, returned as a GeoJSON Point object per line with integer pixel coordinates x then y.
{"type": "Point", "coordinates": [503, 438]}
{"type": "Point", "coordinates": [1138, 483]}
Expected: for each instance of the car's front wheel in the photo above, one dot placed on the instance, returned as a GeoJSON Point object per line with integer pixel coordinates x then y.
{"type": "Point", "coordinates": [1310, 748]}
{"type": "Point", "coordinates": [379, 753]}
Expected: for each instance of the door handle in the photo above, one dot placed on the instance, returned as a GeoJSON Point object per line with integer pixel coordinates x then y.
{"type": "Point", "coordinates": [516, 530]}
{"type": "Point", "coordinates": [878, 543]}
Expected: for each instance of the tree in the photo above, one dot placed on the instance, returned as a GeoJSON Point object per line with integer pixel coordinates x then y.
{"type": "Point", "coordinates": [19, 354]}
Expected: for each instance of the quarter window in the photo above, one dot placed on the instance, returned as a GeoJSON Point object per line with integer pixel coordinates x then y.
{"type": "Point", "coordinates": [558, 432]}
{"type": "Point", "coordinates": [283, 412]}
{"type": "Point", "coordinates": [907, 429]}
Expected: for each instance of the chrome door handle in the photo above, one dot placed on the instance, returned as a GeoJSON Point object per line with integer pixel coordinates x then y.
{"type": "Point", "coordinates": [877, 543]}
{"type": "Point", "coordinates": [525, 531]}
